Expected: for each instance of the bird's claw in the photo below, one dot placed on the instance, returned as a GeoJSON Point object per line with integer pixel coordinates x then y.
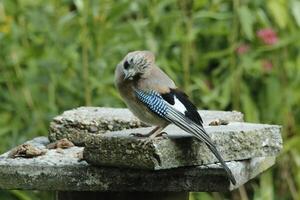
{"type": "Point", "coordinates": [138, 135]}
{"type": "Point", "coordinates": [145, 142]}
{"type": "Point", "coordinates": [163, 135]}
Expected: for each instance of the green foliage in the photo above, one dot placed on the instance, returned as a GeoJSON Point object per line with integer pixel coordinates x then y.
{"type": "Point", "coordinates": [57, 55]}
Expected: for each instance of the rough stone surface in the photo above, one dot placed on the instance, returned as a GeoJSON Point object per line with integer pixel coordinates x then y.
{"type": "Point", "coordinates": [63, 170]}
{"type": "Point", "coordinates": [77, 123]}
{"type": "Point", "coordinates": [236, 141]}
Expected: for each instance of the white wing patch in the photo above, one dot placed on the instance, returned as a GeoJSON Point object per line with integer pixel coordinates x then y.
{"type": "Point", "coordinates": [178, 105]}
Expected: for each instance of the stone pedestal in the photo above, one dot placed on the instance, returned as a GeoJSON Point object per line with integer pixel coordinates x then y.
{"type": "Point", "coordinates": [109, 164]}
{"type": "Point", "coordinates": [122, 195]}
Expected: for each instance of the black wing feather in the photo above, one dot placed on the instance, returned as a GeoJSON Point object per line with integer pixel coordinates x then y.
{"type": "Point", "coordinates": [191, 110]}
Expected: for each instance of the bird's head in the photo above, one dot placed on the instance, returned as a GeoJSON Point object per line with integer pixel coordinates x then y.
{"type": "Point", "coordinates": [136, 64]}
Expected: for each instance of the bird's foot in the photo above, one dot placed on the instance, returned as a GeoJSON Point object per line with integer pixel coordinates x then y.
{"type": "Point", "coordinates": [145, 141]}
{"type": "Point", "coordinates": [138, 135]}
{"type": "Point", "coordinates": [159, 135]}
{"type": "Point", "coordinates": [163, 135]}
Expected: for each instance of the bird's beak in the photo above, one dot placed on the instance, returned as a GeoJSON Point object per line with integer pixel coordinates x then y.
{"type": "Point", "coordinates": [128, 76]}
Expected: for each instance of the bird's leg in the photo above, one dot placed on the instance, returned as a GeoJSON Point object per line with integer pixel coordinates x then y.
{"type": "Point", "coordinates": [145, 135]}
{"type": "Point", "coordinates": [154, 133]}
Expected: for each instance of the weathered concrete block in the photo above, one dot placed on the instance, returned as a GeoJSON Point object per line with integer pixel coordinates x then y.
{"type": "Point", "coordinates": [77, 123]}
{"type": "Point", "coordinates": [236, 141]}
{"type": "Point", "coordinates": [64, 170]}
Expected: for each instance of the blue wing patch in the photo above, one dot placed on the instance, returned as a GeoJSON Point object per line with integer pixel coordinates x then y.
{"type": "Point", "coordinates": [153, 101]}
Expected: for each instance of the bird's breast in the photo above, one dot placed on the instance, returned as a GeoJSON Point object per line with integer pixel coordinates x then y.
{"type": "Point", "coordinates": [136, 107]}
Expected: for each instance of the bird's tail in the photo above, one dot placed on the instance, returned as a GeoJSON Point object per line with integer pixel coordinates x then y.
{"type": "Point", "coordinates": [189, 126]}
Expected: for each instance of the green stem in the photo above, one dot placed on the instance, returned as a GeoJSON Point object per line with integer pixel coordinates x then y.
{"type": "Point", "coordinates": [85, 61]}
{"type": "Point", "coordinates": [236, 73]}
{"type": "Point", "coordinates": [187, 46]}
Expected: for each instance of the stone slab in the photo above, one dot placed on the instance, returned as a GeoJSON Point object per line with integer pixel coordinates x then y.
{"type": "Point", "coordinates": [235, 141]}
{"type": "Point", "coordinates": [63, 170]}
{"type": "Point", "coordinates": [77, 123]}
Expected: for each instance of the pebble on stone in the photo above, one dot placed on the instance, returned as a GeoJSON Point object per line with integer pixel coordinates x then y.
{"type": "Point", "coordinates": [60, 144]}
{"type": "Point", "coordinates": [26, 151]}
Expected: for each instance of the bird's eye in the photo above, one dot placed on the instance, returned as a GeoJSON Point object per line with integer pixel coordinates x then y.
{"type": "Point", "coordinates": [126, 65]}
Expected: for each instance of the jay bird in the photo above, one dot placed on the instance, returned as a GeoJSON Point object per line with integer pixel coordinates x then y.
{"type": "Point", "coordinates": [154, 98]}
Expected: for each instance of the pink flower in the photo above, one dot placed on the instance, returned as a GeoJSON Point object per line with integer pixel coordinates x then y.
{"type": "Point", "coordinates": [267, 65]}
{"type": "Point", "coordinates": [267, 35]}
{"type": "Point", "coordinates": [242, 49]}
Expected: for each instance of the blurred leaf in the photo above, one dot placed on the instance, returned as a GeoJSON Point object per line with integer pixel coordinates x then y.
{"type": "Point", "coordinates": [4, 130]}
{"type": "Point", "coordinates": [200, 196]}
{"type": "Point", "coordinates": [247, 21]}
{"type": "Point", "coordinates": [292, 143]}
{"type": "Point", "coordinates": [295, 7]}
{"type": "Point", "coordinates": [251, 112]}
{"type": "Point", "coordinates": [266, 185]}
{"type": "Point", "coordinates": [21, 195]}
{"type": "Point", "coordinates": [278, 9]}
{"type": "Point", "coordinates": [263, 18]}
{"type": "Point", "coordinates": [213, 15]}
{"type": "Point", "coordinates": [79, 4]}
